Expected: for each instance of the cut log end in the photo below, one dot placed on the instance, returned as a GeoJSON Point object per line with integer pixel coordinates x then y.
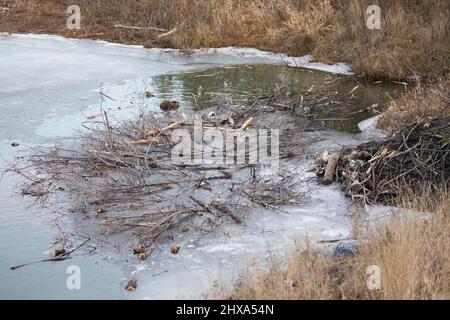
{"type": "Point", "coordinates": [330, 168]}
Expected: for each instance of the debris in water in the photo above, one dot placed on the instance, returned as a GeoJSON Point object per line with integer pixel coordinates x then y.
{"type": "Point", "coordinates": [59, 252]}
{"type": "Point", "coordinates": [92, 117]}
{"type": "Point", "coordinates": [130, 162]}
{"type": "Point", "coordinates": [330, 169]}
{"type": "Point", "coordinates": [138, 250]}
{"type": "Point", "coordinates": [131, 285]}
{"type": "Point", "coordinates": [379, 171]}
{"type": "Point", "coordinates": [143, 256]}
{"type": "Point", "coordinates": [175, 249]}
{"type": "Point", "coordinates": [169, 105]}
{"type": "Point", "coordinates": [247, 123]}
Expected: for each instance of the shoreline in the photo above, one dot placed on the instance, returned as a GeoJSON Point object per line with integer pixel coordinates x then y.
{"type": "Point", "coordinates": [328, 32]}
{"type": "Point", "coordinates": [305, 62]}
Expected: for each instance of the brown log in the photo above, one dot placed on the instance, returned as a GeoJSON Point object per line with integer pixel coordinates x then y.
{"type": "Point", "coordinates": [330, 168]}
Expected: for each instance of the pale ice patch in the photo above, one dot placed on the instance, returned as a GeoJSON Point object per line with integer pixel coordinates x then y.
{"type": "Point", "coordinates": [369, 130]}
{"type": "Point", "coordinates": [228, 55]}
{"type": "Point", "coordinates": [251, 53]}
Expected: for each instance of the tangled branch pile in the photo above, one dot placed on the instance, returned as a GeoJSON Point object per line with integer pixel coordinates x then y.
{"type": "Point", "coordinates": [121, 175]}
{"type": "Point", "coordinates": [415, 156]}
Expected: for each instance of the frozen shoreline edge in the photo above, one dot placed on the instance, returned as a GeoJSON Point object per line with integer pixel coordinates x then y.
{"type": "Point", "coordinates": [306, 62]}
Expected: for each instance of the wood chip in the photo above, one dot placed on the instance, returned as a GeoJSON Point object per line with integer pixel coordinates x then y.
{"type": "Point", "coordinates": [175, 249]}
{"type": "Point", "coordinates": [131, 286]}
{"type": "Point", "coordinates": [248, 123]}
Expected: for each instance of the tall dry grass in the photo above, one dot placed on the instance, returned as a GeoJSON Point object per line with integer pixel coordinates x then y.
{"type": "Point", "coordinates": [425, 100]}
{"type": "Point", "coordinates": [413, 40]}
{"type": "Point", "coordinates": [412, 254]}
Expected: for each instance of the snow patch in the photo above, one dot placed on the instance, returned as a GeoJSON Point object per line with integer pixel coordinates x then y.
{"type": "Point", "coordinates": [369, 129]}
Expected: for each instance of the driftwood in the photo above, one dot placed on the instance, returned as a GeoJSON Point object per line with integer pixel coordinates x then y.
{"type": "Point", "coordinates": [60, 257]}
{"type": "Point", "coordinates": [168, 33]}
{"type": "Point", "coordinates": [248, 123]}
{"type": "Point", "coordinates": [140, 28]}
{"type": "Point", "coordinates": [172, 126]}
{"type": "Point", "coordinates": [165, 34]}
{"type": "Point", "coordinates": [330, 169]}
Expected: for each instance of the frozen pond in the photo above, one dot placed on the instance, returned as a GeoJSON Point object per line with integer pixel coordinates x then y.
{"type": "Point", "coordinates": [50, 85]}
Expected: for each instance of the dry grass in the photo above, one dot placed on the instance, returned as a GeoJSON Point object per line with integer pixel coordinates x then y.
{"type": "Point", "coordinates": [414, 38]}
{"type": "Point", "coordinates": [424, 101]}
{"type": "Point", "coordinates": [412, 253]}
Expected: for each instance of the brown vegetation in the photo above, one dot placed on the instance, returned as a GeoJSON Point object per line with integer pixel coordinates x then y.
{"type": "Point", "coordinates": [424, 101]}
{"type": "Point", "coordinates": [412, 254]}
{"type": "Point", "coordinates": [413, 40]}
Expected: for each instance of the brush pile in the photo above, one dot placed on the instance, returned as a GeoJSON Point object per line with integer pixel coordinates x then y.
{"type": "Point", "coordinates": [409, 159]}
{"type": "Point", "coordinates": [120, 176]}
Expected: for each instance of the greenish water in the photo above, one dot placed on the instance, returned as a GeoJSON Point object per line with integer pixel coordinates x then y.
{"type": "Point", "coordinates": [242, 84]}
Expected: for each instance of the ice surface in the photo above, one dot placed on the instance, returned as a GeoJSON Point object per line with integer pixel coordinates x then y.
{"type": "Point", "coordinates": [215, 260]}
{"type": "Point", "coordinates": [369, 129]}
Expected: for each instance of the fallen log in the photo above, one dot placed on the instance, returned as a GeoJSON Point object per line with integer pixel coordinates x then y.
{"type": "Point", "coordinates": [168, 33]}
{"type": "Point", "coordinates": [330, 168]}
{"type": "Point", "coordinates": [140, 28]}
